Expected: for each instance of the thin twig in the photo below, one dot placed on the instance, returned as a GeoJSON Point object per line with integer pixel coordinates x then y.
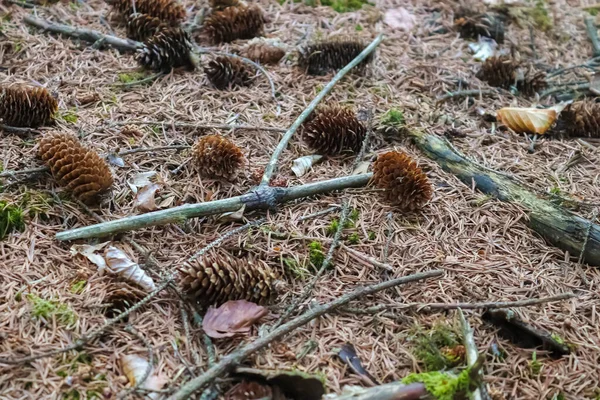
{"type": "Point", "coordinates": [19, 130]}
{"type": "Point", "coordinates": [591, 64]}
{"type": "Point", "coordinates": [272, 165]}
{"type": "Point", "coordinates": [592, 32]}
{"type": "Point", "coordinates": [151, 149]}
{"type": "Point", "coordinates": [389, 236]}
{"type": "Point", "coordinates": [319, 213]}
{"type": "Point", "coordinates": [200, 126]}
{"type": "Point", "coordinates": [466, 93]}
{"type": "Point", "coordinates": [23, 172]}
{"type": "Point", "coordinates": [480, 393]}
{"type": "Point", "coordinates": [573, 88]}
{"type": "Point", "coordinates": [142, 81]}
{"type": "Point", "coordinates": [233, 359]}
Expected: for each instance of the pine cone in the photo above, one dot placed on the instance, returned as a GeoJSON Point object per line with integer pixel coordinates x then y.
{"type": "Point", "coordinates": [404, 182]}
{"type": "Point", "coordinates": [132, 130]}
{"type": "Point", "coordinates": [169, 48]}
{"type": "Point", "coordinates": [84, 173]}
{"type": "Point", "coordinates": [505, 73]}
{"type": "Point", "coordinates": [334, 129]}
{"type": "Point", "coordinates": [581, 119]}
{"type": "Point", "coordinates": [224, 72]}
{"type": "Point", "coordinates": [219, 5]}
{"type": "Point", "coordinates": [121, 296]}
{"type": "Point", "coordinates": [169, 11]}
{"type": "Point", "coordinates": [26, 107]}
{"type": "Point", "coordinates": [235, 23]}
{"type": "Point", "coordinates": [264, 53]}
{"type": "Point", "coordinates": [471, 25]}
{"type": "Point", "coordinates": [218, 157]}
{"type": "Point", "coordinates": [143, 26]}
{"type": "Point", "coordinates": [219, 277]}
{"type": "Point", "coordinates": [320, 58]}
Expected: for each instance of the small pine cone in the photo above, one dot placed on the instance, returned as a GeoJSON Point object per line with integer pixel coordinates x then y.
{"type": "Point", "coordinates": [581, 119]}
{"type": "Point", "coordinates": [121, 296]}
{"type": "Point", "coordinates": [264, 53]}
{"type": "Point", "coordinates": [219, 5]}
{"type": "Point", "coordinates": [405, 184]}
{"type": "Point", "coordinates": [168, 11]}
{"type": "Point", "coordinates": [84, 173]}
{"type": "Point", "coordinates": [320, 58]}
{"type": "Point", "coordinates": [334, 129]}
{"type": "Point", "coordinates": [218, 277]}
{"type": "Point", "coordinates": [169, 48]}
{"type": "Point", "coordinates": [235, 23]}
{"type": "Point", "coordinates": [224, 72]}
{"type": "Point", "coordinates": [532, 84]}
{"type": "Point", "coordinates": [499, 72]}
{"type": "Point", "coordinates": [143, 26]}
{"type": "Point", "coordinates": [26, 107]}
{"type": "Point", "coordinates": [132, 130]}
{"type": "Point", "coordinates": [217, 157]}
{"type": "Point", "coordinates": [471, 25]}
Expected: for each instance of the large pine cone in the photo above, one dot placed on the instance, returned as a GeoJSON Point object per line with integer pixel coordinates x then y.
{"type": "Point", "coordinates": [334, 129]}
{"type": "Point", "coordinates": [264, 53]}
{"type": "Point", "coordinates": [581, 119]}
{"type": "Point", "coordinates": [84, 173]}
{"type": "Point", "coordinates": [218, 277]}
{"type": "Point", "coordinates": [471, 25]}
{"type": "Point", "coordinates": [224, 72]}
{"type": "Point", "coordinates": [503, 72]}
{"type": "Point", "coordinates": [215, 156]}
{"type": "Point", "coordinates": [169, 48]}
{"type": "Point", "coordinates": [235, 23]}
{"type": "Point", "coordinates": [169, 11]}
{"type": "Point", "coordinates": [26, 107]}
{"type": "Point", "coordinates": [143, 26]}
{"type": "Point", "coordinates": [320, 58]}
{"type": "Point", "coordinates": [405, 184]}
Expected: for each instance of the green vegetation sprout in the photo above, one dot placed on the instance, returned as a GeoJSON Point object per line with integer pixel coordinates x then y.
{"type": "Point", "coordinates": [442, 385]}
{"type": "Point", "coordinates": [11, 218]}
{"type": "Point", "coordinates": [47, 309]}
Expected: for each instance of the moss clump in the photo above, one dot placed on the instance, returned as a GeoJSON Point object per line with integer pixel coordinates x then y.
{"type": "Point", "coordinates": [539, 16]}
{"type": "Point", "coordinates": [372, 235]}
{"type": "Point", "coordinates": [442, 385]}
{"type": "Point", "coordinates": [316, 254]}
{"type": "Point", "coordinates": [535, 367]}
{"type": "Point", "coordinates": [436, 348]}
{"type": "Point", "coordinates": [37, 203]}
{"type": "Point", "coordinates": [293, 268]}
{"type": "Point", "coordinates": [129, 77]}
{"type": "Point", "coordinates": [354, 238]}
{"type": "Point", "coordinates": [344, 5]}
{"type": "Point", "coordinates": [47, 309]}
{"type": "Point", "coordinates": [11, 218]}
{"type": "Point", "coordinates": [393, 118]}
{"type": "Point", "coordinates": [69, 116]}
{"type": "Point", "coordinates": [77, 287]}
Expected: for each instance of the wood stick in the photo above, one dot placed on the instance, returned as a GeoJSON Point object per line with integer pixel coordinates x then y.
{"type": "Point", "coordinates": [200, 126]}
{"type": "Point", "coordinates": [19, 131]}
{"type": "Point", "coordinates": [390, 391]}
{"type": "Point", "coordinates": [480, 393]}
{"type": "Point", "coordinates": [466, 93]}
{"type": "Point", "coordinates": [272, 165]}
{"type": "Point", "coordinates": [557, 225]}
{"type": "Point", "coordinates": [592, 31]}
{"type": "Point", "coordinates": [235, 358]}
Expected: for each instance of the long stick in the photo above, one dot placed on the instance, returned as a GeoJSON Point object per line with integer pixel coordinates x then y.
{"type": "Point", "coordinates": [260, 198]}
{"type": "Point", "coordinates": [200, 125]}
{"type": "Point", "coordinates": [592, 31]}
{"type": "Point", "coordinates": [272, 165]}
{"type": "Point", "coordinates": [480, 393]}
{"type": "Point", "coordinates": [233, 359]}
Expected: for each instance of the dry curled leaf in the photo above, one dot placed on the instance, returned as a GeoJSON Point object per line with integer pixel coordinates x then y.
{"type": "Point", "coordinates": [135, 367]}
{"type": "Point", "coordinates": [232, 318]}
{"type": "Point", "coordinates": [145, 201]}
{"type": "Point", "coordinates": [233, 216]}
{"type": "Point", "coordinates": [348, 355]}
{"type": "Point", "coordinates": [528, 120]}
{"type": "Point", "coordinates": [140, 180]}
{"type": "Point", "coordinates": [118, 263]}
{"type": "Point", "coordinates": [300, 166]}
{"type": "Point", "coordinates": [89, 252]}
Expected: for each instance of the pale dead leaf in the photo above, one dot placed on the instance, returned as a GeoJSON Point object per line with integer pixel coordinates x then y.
{"type": "Point", "coordinates": [118, 263]}
{"type": "Point", "coordinates": [232, 318]}
{"type": "Point", "coordinates": [528, 120]}
{"type": "Point", "coordinates": [233, 216]}
{"type": "Point", "coordinates": [89, 252]}
{"type": "Point", "coordinates": [135, 367]}
{"type": "Point", "coordinates": [144, 201]}
{"type": "Point", "coordinates": [140, 180]}
{"type": "Point", "coordinates": [361, 168]}
{"type": "Point", "coordinates": [167, 202]}
{"type": "Point", "coordinates": [115, 160]}
{"type": "Point", "coordinates": [399, 18]}
{"type": "Point", "coordinates": [300, 166]}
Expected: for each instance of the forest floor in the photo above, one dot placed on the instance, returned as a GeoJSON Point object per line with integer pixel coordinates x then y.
{"type": "Point", "coordinates": [483, 245]}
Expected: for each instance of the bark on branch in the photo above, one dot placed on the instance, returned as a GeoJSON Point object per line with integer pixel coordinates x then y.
{"type": "Point", "coordinates": [557, 225]}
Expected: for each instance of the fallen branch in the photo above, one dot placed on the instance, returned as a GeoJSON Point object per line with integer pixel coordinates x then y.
{"type": "Point", "coordinates": [480, 393]}
{"type": "Point", "coordinates": [235, 358]}
{"type": "Point", "coordinates": [200, 126]}
{"type": "Point", "coordinates": [557, 225]}
{"type": "Point", "coordinates": [19, 131]}
{"type": "Point", "coordinates": [390, 391]}
{"type": "Point", "coordinates": [592, 32]}
{"type": "Point", "coordinates": [573, 88]}
{"type": "Point", "coordinates": [466, 93]}
{"type": "Point", "coordinates": [272, 165]}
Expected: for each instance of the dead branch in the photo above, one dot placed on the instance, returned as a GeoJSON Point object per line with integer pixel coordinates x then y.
{"type": "Point", "coordinates": [272, 165]}
{"type": "Point", "coordinates": [200, 125]}
{"type": "Point", "coordinates": [592, 32]}
{"type": "Point", "coordinates": [480, 393]}
{"type": "Point", "coordinates": [565, 88]}
{"type": "Point", "coordinates": [233, 359]}
{"type": "Point", "coordinates": [466, 93]}
{"type": "Point", "coordinates": [557, 225]}
{"type": "Point", "coordinates": [390, 391]}
{"type": "Point", "coordinates": [19, 131]}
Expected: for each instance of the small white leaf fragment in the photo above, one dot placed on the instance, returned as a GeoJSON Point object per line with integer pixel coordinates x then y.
{"type": "Point", "coordinates": [145, 200]}
{"type": "Point", "coordinates": [361, 168]}
{"type": "Point", "coordinates": [135, 368]}
{"type": "Point", "coordinates": [399, 18]}
{"type": "Point", "coordinates": [89, 252]}
{"type": "Point", "coordinates": [233, 216]}
{"type": "Point", "coordinates": [118, 263]}
{"type": "Point", "coordinates": [140, 180]}
{"type": "Point", "coordinates": [114, 159]}
{"type": "Point", "coordinates": [300, 166]}
{"type": "Point", "coordinates": [484, 48]}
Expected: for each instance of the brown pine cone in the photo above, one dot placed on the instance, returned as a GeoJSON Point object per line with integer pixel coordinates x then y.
{"type": "Point", "coordinates": [235, 23]}
{"type": "Point", "coordinates": [405, 184]}
{"type": "Point", "coordinates": [264, 52]}
{"type": "Point", "coordinates": [320, 58]}
{"type": "Point", "coordinates": [219, 5]}
{"type": "Point", "coordinates": [215, 156]}
{"type": "Point", "coordinates": [168, 11]}
{"type": "Point", "coordinates": [334, 129]}
{"type": "Point", "coordinates": [84, 173]}
{"type": "Point", "coordinates": [218, 277]}
{"type": "Point", "coordinates": [26, 106]}
{"type": "Point", "coordinates": [169, 48]}
{"type": "Point", "coordinates": [503, 72]}
{"type": "Point", "coordinates": [227, 72]}
{"type": "Point", "coordinates": [581, 119]}
{"type": "Point", "coordinates": [471, 25]}
{"type": "Point", "coordinates": [140, 27]}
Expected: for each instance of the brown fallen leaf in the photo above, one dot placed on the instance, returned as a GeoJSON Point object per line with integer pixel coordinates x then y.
{"type": "Point", "coordinates": [529, 120]}
{"type": "Point", "coordinates": [232, 318]}
{"type": "Point", "coordinates": [145, 201]}
{"type": "Point", "coordinates": [135, 368]}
